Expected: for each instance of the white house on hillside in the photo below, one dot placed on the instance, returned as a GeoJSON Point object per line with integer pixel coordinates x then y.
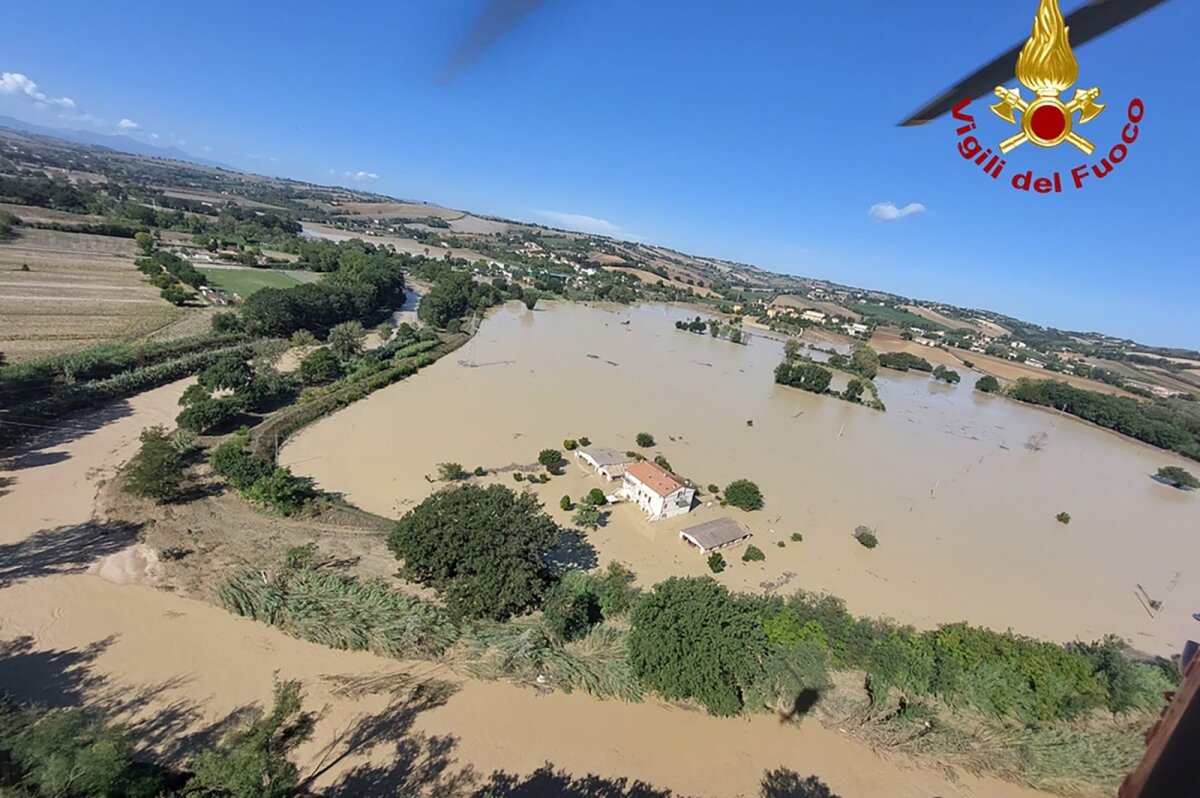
{"type": "Point", "coordinates": [657, 491]}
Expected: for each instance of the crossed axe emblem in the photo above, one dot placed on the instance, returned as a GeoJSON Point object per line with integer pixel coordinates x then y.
{"type": "Point", "coordinates": [1011, 100]}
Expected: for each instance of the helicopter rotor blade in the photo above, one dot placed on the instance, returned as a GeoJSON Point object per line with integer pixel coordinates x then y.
{"type": "Point", "coordinates": [497, 19]}
{"type": "Point", "coordinates": [1089, 22]}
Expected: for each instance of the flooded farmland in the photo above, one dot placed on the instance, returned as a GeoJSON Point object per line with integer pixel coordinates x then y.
{"type": "Point", "coordinates": [963, 506]}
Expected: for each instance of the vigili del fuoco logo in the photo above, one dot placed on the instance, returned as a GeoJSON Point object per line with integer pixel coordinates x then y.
{"type": "Point", "coordinates": [1047, 67]}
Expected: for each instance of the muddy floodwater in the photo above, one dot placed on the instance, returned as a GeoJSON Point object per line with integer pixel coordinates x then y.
{"type": "Point", "coordinates": [963, 507]}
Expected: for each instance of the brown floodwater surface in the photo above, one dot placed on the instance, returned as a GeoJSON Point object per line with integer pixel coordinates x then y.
{"type": "Point", "coordinates": [964, 510]}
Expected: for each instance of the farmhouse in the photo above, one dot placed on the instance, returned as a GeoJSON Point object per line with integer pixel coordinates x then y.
{"type": "Point", "coordinates": [813, 315]}
{"type": "Point", "coordinates": [608, 463]}
{"type": "Point", "coordinates": [657, 491]}
{"type": "Point", "coordinates": [719, 533]}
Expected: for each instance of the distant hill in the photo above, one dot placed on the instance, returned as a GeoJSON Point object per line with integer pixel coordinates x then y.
{"type": "Point", "coordinates": [111, 141]}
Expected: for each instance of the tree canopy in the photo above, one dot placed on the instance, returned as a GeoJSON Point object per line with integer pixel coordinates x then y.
{"type": "Point", "coordinates": [804, 375]}
{"type": "Point", "coordinates": [483, 549]}
{"type": "Point", "coordinates": [744, 494]}
{"type": "Point", "coordinates": [693, 639]}
{"type": "Point", "coordinates": [987, 384]}
{"type": "Point", "coordinates": [156, 471]}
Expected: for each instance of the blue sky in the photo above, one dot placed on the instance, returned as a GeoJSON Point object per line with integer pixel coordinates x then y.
{"type": "Point", "coordinates": [760, 131]}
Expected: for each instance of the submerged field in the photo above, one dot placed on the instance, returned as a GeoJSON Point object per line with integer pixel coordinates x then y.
{"type": "Point", "coordinates": [965, 513]}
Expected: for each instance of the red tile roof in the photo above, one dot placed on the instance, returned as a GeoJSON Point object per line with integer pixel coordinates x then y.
{"type": "Point", "coordinates": [658, 479]}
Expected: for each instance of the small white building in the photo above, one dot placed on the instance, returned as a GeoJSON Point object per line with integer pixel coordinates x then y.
{"type": "Point", "coordinates": [608, 463]}
{"type": "Point", "coordinates": [717, 534]}
{"type": "Point", "coordinates": [857, 329]}
{"type": "Point", "coordinates": [813, 316]}
{"type": "Point", "coordinates": [657, 491]}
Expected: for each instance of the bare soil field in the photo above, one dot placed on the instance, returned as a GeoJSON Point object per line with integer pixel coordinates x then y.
{"type": "Point", "coordinates": [828, 308]}
{"type": "Point", "coordinates": [944, 320]}
{"type": "Point", "coordinates": [1000, 368]}
{"type": "Point", "coordinates": [652, 278]}
{"type": "Point", "coordinates": [392, 210]}
{"type": "Point", "coordinates": [80, 290]}
{"type": "Point", "coordinates": [29, 213]}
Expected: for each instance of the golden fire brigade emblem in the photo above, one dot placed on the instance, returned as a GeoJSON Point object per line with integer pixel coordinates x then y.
{"type": "Point", "coordinates": [1047, 67]}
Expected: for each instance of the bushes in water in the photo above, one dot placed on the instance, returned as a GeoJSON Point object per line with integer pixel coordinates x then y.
{"type": "Point", "coordinates": [644, 439]}
{"type": "Point", "coordinates": [744, 494]}
{"type": "Point", "coordinates": [903, 361]}
{"type": "Point", "coordinates": [753, 554]}
{"type": "Point", "coordinates": [716, 562]}
{"type": "Point", "coordinates": [805, 375]}
{"type": "Point", "coordinates": [987, 384]}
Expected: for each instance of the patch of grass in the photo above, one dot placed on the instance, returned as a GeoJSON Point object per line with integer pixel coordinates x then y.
{"type": "Point", "coordinates": [245, 282]}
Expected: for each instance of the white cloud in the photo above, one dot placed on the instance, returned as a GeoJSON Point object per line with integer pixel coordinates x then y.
{"type": "Point", "coordinates": [888, 212]}
{"type": "Point", "coordinates": [582, 223]}
{"type": "Point", "coordinates": [359, 176]}
{"type": "Point", "coordinates": [128, 124]}
{"type": "Point", "coordinates": [16, 83]}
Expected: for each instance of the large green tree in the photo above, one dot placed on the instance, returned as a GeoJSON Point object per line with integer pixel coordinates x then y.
{"type": "Point", "coordinates": [865, 361]}
{"type": "Point", "coordinates": [156, 471]}
{"type": "Point", "coordinates": [693, 639]}
{"type": "Point", "coordinates": [482, 548]}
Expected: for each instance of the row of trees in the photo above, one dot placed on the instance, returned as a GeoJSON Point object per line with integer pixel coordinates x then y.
{"type": "Point", "coordinates": [1166, 424]}
{"type": "Point", "coordinates": [904, 361]}
{"type": "Point", "coordinates": [805, 375]}
{"type": "Point", "coordinates": [693, 639]}
{"type": "Point", "coordinates": [360, 290]}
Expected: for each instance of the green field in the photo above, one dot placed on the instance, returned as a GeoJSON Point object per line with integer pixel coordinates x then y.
{"type": "Point", "coordinates": [245, 282]}
{"type": "Point", "coordinates": [895, 317]}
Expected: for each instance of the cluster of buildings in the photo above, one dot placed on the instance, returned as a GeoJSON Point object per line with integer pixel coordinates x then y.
{"type": "Point", "coordinates": [660, 495]}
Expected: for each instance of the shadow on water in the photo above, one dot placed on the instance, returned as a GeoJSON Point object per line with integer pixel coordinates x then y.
{"type": "Point", "coordinates": [63, 550]}
{"type": "Point", "coordinates": [403, 761]}
{"type": "Point", "coordinates": [573, 552]}
{"type": "Point", "coordinates": [39, 435]}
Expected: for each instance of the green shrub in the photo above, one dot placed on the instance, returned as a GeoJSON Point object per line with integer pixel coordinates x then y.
{"type": "Point", "coordinates": [240, 468]}
{"type": "Point", "coordinates": [780, 544]}
{"type": "Point", "coordinates": [987, 384]}
{"type": "Point", "coordinates": [865, 537]}
{"type": "Point", "coordinates": [519, 477]}
{"type": "Point", "coordinates": [584, 440]}
{"type": "Point", "coordinates": [156, 471]}
{"type": "Point", "coordinates": [587, 515]}
{"type": "Point", "coordinates": [645, 440]}
{"type": "Point", "coordinates": [480, 471]}
{"type": "Point", "coordinates": [712, 488]}
{"type": "Point", "coordinates": [1178, 477]}
{"type": "Point", "coordinates": [550, 458]}
{"type": "Point", "coordinates": [753, 554]}
{"type": "Point", "coordinates": [744, 494]}
{"type": "Point", "coordinates": [595, 496]}
{"type": "Point", "coordinates": [282, 491]}
{"type": "Point", "coordinates": [566, 503]}
{"type": "Point", "coordinates": [569, 445]}
{"type": "Point", "coordinates": [716, 563]}
{"type": "Point", "coordinates": [797, 537]}
{"type": "Point", "coordinates": [1063, 518]}
{"type": "Point", "coordinates": [451, 472]}
{"type": "Point", "coordinates": [662, 462]}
